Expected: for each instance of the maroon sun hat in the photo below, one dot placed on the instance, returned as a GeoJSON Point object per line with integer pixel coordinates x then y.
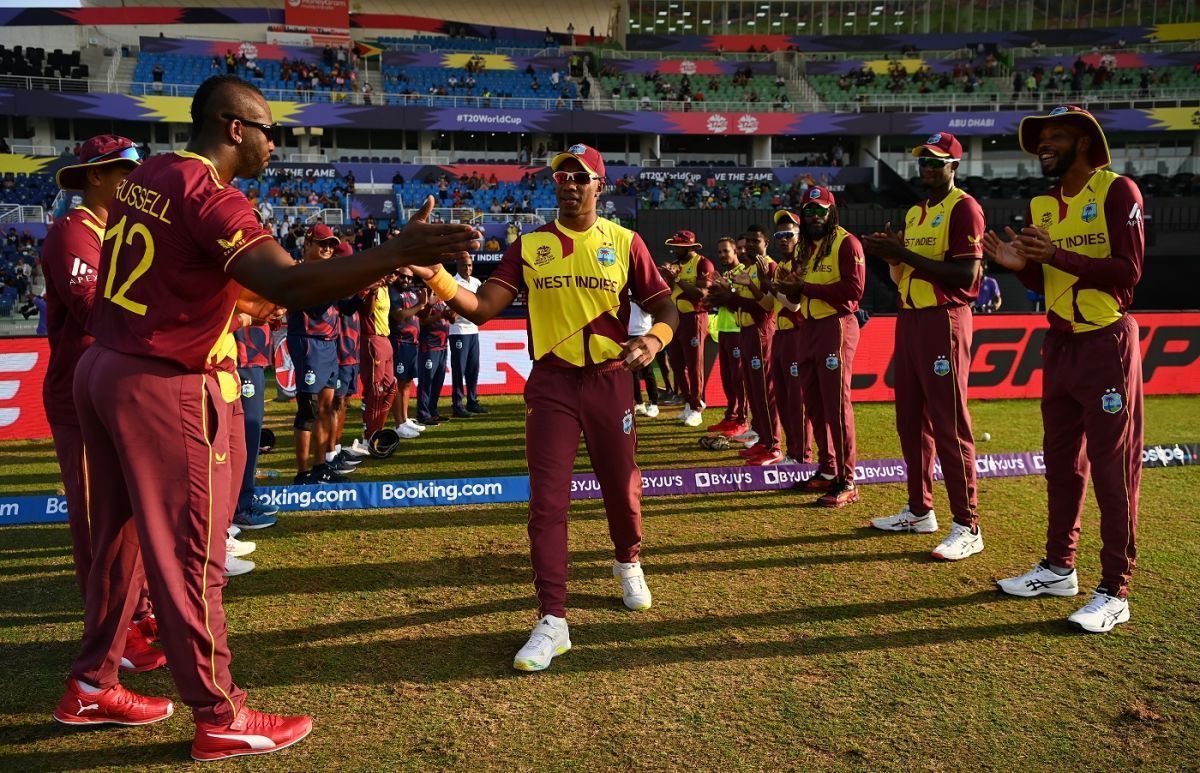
{"type": "Point", "coordinates": [1031, 126]}
{"type": "Point", "coordinates": [322, 233]}
{"type": "Point", "coordinates": [683, 239]}
{"type": "Point", "coordinates": [97, 151]}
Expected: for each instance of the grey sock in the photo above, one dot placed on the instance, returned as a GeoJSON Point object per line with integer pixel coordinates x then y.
{"type": "Point", "coordinates": [1061, 571]}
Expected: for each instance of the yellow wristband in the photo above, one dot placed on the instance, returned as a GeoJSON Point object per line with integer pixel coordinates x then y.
{"type": "Point", "coordinates": [663, 332]}
{"type": "Point", "coordinates": [443, 285]}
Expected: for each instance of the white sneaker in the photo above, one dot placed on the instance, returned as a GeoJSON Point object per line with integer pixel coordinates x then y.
{"type": "Point", "coordinates": [235, 566]}
{"type": "Point", "coordinates": [358, 449]}
{"type": "Point", "coordinates": [237, 548]}
{"type": "Point", "coordinates": [639, 409]}
{"type": "Point", "coordinates": [906, 521]}
{"type": "Point", "coordinates": [419, 427]}
{"type": "Point", "coordinates": [685, 414]}
{"type": "Point", "coordinates": [549, 638]}
{"type": "Point", "coordinates": [651, 411]}
{"type": "Point", "coordinates": [1102, 613]}
{"type": "Point", "coordinates": [694, 419]}
{"type": "Point", "coordinates": [1041, 579]}
{"type": "Point", "coordinates": [633, 585]}
{"type": "Point", "coordinates": [959, 543]}
{"type": "Point", "coordinates": [408, 432]}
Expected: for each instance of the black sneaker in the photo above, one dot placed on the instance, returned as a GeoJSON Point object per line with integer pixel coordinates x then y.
{"type": "Point", "coordinates": [429, 421]}
{"type": "Point", "coordinates": [303, 478]}
{"type": "Point", "coordinates": [476, 408]}
{"type": "Point", "coordinates": [345, 458]}
{"type": "Point", "coordinates": [323, 474]}
{"type": "Point", "coordinates": [462, 413]}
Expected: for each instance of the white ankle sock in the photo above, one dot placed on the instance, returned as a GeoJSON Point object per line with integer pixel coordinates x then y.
{"type": "Point", "coordinates": [329, 457]}
{"type": "Point", "coordinates": [84, 687]}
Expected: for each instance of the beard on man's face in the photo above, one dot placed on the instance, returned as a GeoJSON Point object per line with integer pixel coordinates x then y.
{"type": "Point", "coordinates": [815, 233]}
{"type": "Point", "coordinates": [1063, 162]}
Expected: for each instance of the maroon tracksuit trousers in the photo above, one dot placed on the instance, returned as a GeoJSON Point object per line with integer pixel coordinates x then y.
{"type": "Point", "coordinates": [729, 357]}
{"type": "Point", "coordinates": [73, 464]}
{"type": "Point", "coordinates": [794, 416]}
{"type": "Point", "coordinates": [932, 362]}
{"type": "Point", "coordinates": [826, 367]}
{"type": "Point", "coordinates": [378, 376]}
{"type": "Point", "coordinates": [559, 404]}
{"type": "Point", "coordinates": [166, 455]}
{"type": "Point", "coordinates": [686, 353]}
{"type": "Point", "coordinates": [1092, 413]}
{"type": "Point", "coordinates": [755, 344]}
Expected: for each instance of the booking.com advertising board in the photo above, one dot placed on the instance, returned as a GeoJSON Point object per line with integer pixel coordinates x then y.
{"type": "Point", "coordinates": [1006, 363]}
{"type": "Point", "coordinates": [515, 488]}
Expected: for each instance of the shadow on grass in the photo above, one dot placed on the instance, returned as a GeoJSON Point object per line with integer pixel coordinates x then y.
{"type": "Point", "coordinates": [125, 751]}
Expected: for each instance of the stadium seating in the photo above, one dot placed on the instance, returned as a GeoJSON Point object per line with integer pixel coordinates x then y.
{"type": "Point", "coordinates": [190, 70]}
{"type": "Point", "coordinates": [444, 43]}
{"type": "Point", "coordinates": [35, 62]}
{"type": "Point", "coordinates": [29, 189]}
{"type": "Point", "coordinates": [762, 86]}
{"type": "Point", "coordinates": [489, 83]}
{"type": "Point", "coordinates": [541, 197]}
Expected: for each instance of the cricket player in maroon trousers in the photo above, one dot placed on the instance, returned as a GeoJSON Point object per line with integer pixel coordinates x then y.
{"type": "Point", "coordinates": [690, 275]}
{"type": "Point", "coordinates": [159, 408]}
{"type": "Point", "coordinates": [70, 259]}
{"type": "Point", "coordinates": [1083, 246]}
{"type": "Point", "coordinates": [935, 263]}
{"type": "Point", "coordinates": [580, 272]}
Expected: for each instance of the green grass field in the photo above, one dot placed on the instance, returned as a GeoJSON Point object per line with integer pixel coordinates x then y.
{"type": "Point", "coordinates": [782, 636]}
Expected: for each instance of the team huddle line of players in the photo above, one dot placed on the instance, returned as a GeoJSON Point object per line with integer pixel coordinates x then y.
{"type": "Point", "coordinates": [149, 278]}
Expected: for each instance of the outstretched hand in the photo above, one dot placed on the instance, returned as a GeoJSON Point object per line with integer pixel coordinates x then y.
{"type": "Point", "coordinates": [422, 243]}
{"type": "Point", "coordinates": [887, 245]}
{"type": "Point", "coordinates": [1003, 253]}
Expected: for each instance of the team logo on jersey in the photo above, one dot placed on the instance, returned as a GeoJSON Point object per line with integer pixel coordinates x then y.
{"type": "Point", "coordinates": [458, 344]}
{"type": "Point", "coordinates": [941, 366]}
{"type": "Point", "coordinates": [428, 364]}
{"type": "Point", "coordinates": [247, 389]}
{"type": "Point", "coordinates": [544, 255]}
{"type": "Point", "coordinates": [627, 422]}
{"type": "Point", "coordinates": [606, 256]}
{"type": "Point", "coordinates": [233, 241]}
{"type": "Point", "coordinates": [310, 378]}
{"type": "Point", "coordinates": [756, 363]}
{"type": "Point", "coordinates": [934, 139]}
{"type": "Point", "coordinates": [1111, 401]}
{"type": "Point", "coordinates": [1090, 212]}
{"type": "Point", "coordinates": [794, 369]}
{"type": "Point", "coordinates": [694, 342]}
{"type": "Point", "coordinates": [937, 220]}
{"type": "Point", "coordinates": [833, 363]}
{"type": "Point", "coordinates": [737, 353]}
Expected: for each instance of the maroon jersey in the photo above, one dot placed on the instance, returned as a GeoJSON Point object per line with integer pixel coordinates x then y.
{"type": "Point", "coordinates": [175, 231]}
{"type": "Point", "coordinates": [254, 346]}
{"type": "Point", "coordinates": [70, 263]}
{"type": "Point", "coordinates": [408, 331]}
{"type": "Point", "coordinates": [349, 329]}
{"type": "Point", "coordinates": [315, 322]}
{"type": "Point", "coordinates": [434, 328]}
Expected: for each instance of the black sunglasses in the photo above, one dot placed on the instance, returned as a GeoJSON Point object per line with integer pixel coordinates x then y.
{"type": "Point", "coordinates": [933, 163]}
{"type": "Point", "coordinates": [267, 129]}
{"type": "Point", "coordinates": [811, 210]}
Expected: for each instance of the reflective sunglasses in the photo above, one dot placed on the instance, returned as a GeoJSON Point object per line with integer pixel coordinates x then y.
{"type": "Point", "coordinates": [933, 163]}
{"type": "Point", "coordinates": [126, 154]}
{"type": "Point", "coordinates": [785, 235]}
{"type": "Point", "coordinates": [811, 210]}
{"type": "Point", "coordinates": [268, 129]}
{"type": "Point", "coordinates": [579, 178]}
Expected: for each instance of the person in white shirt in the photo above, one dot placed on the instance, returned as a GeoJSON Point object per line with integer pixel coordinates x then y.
{"type": "Point", "coordinates": [464, 352]}
{"type": "Point", "coordinates": [639, 325]}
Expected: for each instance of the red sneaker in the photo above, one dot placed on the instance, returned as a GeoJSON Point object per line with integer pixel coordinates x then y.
{"type": "Point", "coordinates": [114, 706]}
{"type": "Point", "coordinates": [735, 429]}
{"type": "Point", "coordinates": [139, 654]}
{"type": "Point", "coordinates": [252, 732]}
{"type": "Point", "coordinates": [765, 458]}
{"type": "Point", "coordinates": [752, 451]}
{"type": "Point", "coordinates": [720, 426]}
{"type": "Point", "coordinates": [841, 494]}
{"type": "Point", "coordinates": [148, 625]}
{"type": "Point", "coordinates": [815, 485]}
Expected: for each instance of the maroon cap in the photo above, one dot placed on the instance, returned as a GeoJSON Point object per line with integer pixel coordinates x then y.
{"type": "Point", "coordinates": [97, 151]}
{"type": "Point", "coordinates": [321, 233]}
{"type": "Point", "coordinates": [942, 145]}
{"type": "Point", "coordinates": [683, 239]}
{"type": "Point", "coordinates": [588, 156]}
{"type": "Point", "coordinates": [819, 194]}
{"type": "Point", "coordinates": [343, 249]}
{"type": "Point", "coordinates": [1031, 128]}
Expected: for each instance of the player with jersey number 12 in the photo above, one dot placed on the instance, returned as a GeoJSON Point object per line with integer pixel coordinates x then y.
{"type": "Point", "coordinates": [581, 272]}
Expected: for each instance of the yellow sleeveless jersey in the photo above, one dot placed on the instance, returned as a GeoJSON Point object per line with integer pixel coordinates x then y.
{"type": "Point", "coordinates": [744, 318]}
{"type": "Point", "coordinates": [1078, 224]}
{"type": "Point", "coordinates": [927, 232]}
{"type": "Point", "coordinates": [823, 270]}
{"type": "Point", "coordinates": [689, 271]}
